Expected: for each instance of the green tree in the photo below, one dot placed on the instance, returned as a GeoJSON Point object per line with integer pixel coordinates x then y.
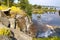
{"type": "Point", "coordinates": [24, 4]}
{"type": "Point", "coordinates": [29, 9]}
{"type": "Point", "coordinates": [7, 2]}
{"type": "Point", "coordinates": [1, 2]}
{"type": "Point", "coordinates": [35, 6]}
{"type": "Point", "coordinates": [39, 7]}
{"type": "Point", "coordinates": [11, 2]}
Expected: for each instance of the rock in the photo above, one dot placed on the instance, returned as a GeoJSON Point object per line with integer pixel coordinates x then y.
{"type": "Point", "coordinates": [21, 23]}
{"type": "Point", "coordinates": [4, 21]}
{"type": "Point", "coordinates": [12, 22]}
{"type": "Point", "coordinates": [5, 38]}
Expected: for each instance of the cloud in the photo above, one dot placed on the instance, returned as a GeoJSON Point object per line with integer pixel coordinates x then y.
{"type": "Point", "coordinates": [46, 2]}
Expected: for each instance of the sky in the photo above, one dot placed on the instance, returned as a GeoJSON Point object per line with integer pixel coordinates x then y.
{"type": "Point", "coordinates": [45, 2]}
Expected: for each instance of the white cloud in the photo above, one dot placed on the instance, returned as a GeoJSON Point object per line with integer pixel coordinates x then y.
{"type": "Point", "coordinates": [46, 2]}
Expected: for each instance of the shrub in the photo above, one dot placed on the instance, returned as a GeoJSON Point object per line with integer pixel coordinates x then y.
{"type": "Point", "coordinates": [15, 9]}
{"type": "Point", "coordinates": [5, 31]}
{"type": "Point", "coordinates": [3, 7]}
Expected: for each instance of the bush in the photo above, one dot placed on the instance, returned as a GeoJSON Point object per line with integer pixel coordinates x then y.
{"type": "Point", "coordinates": [15, 9]}
{"type": "Point", "coordinates": [5, 31]}
{"type": "Point", "coordinates": [3, 7]}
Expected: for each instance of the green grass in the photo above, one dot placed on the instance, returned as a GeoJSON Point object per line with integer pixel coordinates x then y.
{"type": "Point", "coordinates": [49, 38]}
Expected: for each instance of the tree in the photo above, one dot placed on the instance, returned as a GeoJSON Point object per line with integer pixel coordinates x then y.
{"type": "Point", "coordinates": [35, 6]}
{"type": "Point", "coordinates": [1, 2]}
{"type": "Point", "coordinates": [29, 10]}
{"type": "Point", "coordinates": [24, 4]}
{"type": "Point", "coordinates": [11, 2]}
{"type": "Point", "coordinates": [7, 2]}
{"type": "Point", "coordinates": [39, 7]}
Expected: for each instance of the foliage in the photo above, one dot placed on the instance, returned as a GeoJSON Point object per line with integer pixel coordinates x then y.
{"type": "Point", "coordinates": [4, 31]}
{"type": "Point", "coordinates": [24, 4]}
{"type": "Point", "coordinates": [29, 10]}
{"type": "Point", "coordinates": [37, 6]}
{"type": "Point", "coordinates": [3, 7]}
{"type": "Point", "coordinates": [7, 2]}
{"type": "Point", "coordinates": [15, 9]}
{"type": "Point", "coordinates": [48, 38]}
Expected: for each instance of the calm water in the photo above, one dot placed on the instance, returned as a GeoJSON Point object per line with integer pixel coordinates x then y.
{"type": "Point", "coordinates": [48, 18]}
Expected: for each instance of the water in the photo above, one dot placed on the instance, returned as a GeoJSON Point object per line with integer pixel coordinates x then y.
{"type": "Point", "coordinates": [45, 34]}
{"type": "Point", "coordinates": [50, 18]}
{"type": "Point", "coordinates": [58, 8]}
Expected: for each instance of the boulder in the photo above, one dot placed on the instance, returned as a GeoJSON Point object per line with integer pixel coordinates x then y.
{"type": "Point", "coordinates": [4, 21]}
{"type": "Point", "coordinates": [6, 38]}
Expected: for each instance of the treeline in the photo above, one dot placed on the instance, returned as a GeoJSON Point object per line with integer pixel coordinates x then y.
{"type": "Point", "coordinates": [42, 9]}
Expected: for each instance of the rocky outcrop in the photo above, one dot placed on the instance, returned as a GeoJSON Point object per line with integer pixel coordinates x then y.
{"type": "Point", "coordinates": [3, 19]}
{"type": "Point", "coordinates": [20, 35]}
{"type": "Point", "coordinates": [5, 38]}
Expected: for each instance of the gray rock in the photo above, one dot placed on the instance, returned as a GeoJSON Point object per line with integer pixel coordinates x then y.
{"type": "Point", "coordinates": [4, 21]}
{"type": "Point", "coordinates": [5, 38]}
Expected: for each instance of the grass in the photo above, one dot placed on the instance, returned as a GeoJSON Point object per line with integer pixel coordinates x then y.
{"type": "Point", "coordinates": [48, 38]}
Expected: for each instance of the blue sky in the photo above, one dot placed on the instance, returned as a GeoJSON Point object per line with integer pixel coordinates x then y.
{"type": "Point", "coordinates": [45, 2]}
